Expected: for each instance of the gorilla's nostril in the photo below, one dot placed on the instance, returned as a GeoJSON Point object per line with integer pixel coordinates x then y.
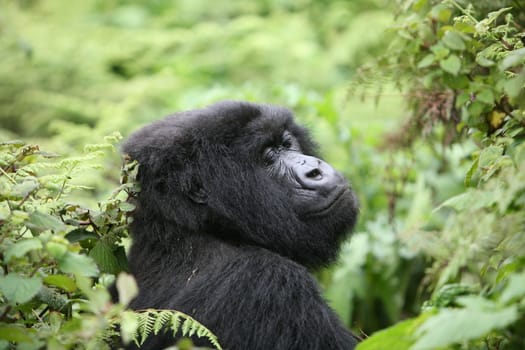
{"type": "Point", "coordinates": [314, 173]}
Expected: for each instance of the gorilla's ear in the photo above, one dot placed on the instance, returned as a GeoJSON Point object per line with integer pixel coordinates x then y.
{"type": "Point", "coordinates": [198, 193]}
{"type": "Point", "coordinates": [154, 146]}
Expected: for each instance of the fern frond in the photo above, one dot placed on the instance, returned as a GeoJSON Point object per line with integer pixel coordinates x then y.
{"type": "Point", "coordinates": [175, 322]}
{"type": "Point", "coordinates": [163, 319]}
{"type": "Point", "coordinates": [152, 321]}
{"type": "Point", "coordinates": [146, 323]}
{"type": "Point", "coordinates": [186, 326]}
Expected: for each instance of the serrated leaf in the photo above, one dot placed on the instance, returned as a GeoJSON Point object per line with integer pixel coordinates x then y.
{"type": "Point", "coordinates": [21, 248]}
{"type": "Point", "coordinates": [451, 64]}
{"type": "Point", "coordinates": [103, 255]}
{"type": "Point", "coordinates": [39, 222]}
{"type": "Point", "coordinates": [454, 41]}
{"type": "Point", "coordinates": [19, 289]}
{"type": "Point", "coordinates": [61, 281]}
{"type": "Point", "coordinates": [78, 264]}
{"type": "Point", "coordinates": [451, 326]}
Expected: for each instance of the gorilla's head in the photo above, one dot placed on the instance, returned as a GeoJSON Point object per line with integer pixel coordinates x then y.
{"type": "Point", "coordinates": [243, 173]}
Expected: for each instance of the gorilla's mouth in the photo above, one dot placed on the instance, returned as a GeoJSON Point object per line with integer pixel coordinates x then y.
{"type": "Point", "coordinates": [332, 201]}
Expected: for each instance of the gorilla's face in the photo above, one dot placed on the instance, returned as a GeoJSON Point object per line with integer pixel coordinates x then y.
{"type": "Point", "coordinates": [246, 174]}
{"type": "Point", "coordinates": [314, 187]}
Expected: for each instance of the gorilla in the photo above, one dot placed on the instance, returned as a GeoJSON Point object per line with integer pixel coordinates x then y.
{"type": "Point", "coordinates": [235, 206]}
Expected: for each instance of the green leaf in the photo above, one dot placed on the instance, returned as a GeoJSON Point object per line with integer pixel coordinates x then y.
{"type": "Point", "coordinates": [103, 255]}
{"type": "Point", "coordinates": [21, 248]}
{"type": "Point", "coordinates": [471, 171]}
{"type": "Point", "coordinates": [440, 51]}
{"type": "Point", "coordinates": [514, 58]}
{"type": "Point", "coordinates": [426, 61]}
{"type": "Point", "coordinates": [16, 333]}
{"type": "Point", "coordinates": [483, 61]}
{"type": "Point", "coordinates": [126, 207]}
{"type": "Point", "coordinates": [451, 326]}
{"type": "Point", "coordinates": [127, 288]}
{"type": "Point", "coordinates": [486, 96]}
{"type": "Point", "coordinates": [61, 281]}
{"type": "Point", "coordinates": [81, 234]}
{"type": "Point", "coordinates": [401, 332]}
{"type": "Point", "coordinates": [462, 99]}
{"type": "Point", "coordinates": [515, 288]}
{"type": "Point", "coordinates": [513, 87]}
{"type": "Point", "coordinates": [19, 289]}
{"type": "Point", "coordinates": [441, 12]}
{"type": "Point", "coordinates": [78, 264]}
{"type": "Point", "coordinates": [452, 64]}
{"type": "Point", "coordinates": [472, 199]}
{"type": "Point", "coordinates": [489, 155]}
{"type": "Point", "coordinates": [454, 41]}
{"type": "Point", "coordinates": [39, 222]}
{"type": "Point", "coordinates": [23, 189]}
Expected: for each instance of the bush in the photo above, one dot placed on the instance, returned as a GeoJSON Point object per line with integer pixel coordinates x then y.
{"type": "Point", "coordinates": [462, 67]}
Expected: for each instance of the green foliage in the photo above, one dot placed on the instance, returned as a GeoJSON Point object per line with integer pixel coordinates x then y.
{"type": "Point", "coordinates": [53, 251]}
{"type": "Point", "coordinates": [464, 69]}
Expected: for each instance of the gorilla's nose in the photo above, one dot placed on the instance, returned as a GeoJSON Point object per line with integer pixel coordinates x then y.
{"type": "Point", "coordinates": [314, 174]}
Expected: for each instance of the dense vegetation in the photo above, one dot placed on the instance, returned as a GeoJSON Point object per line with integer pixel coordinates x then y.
{"type": "Point", "coordinates": [435, 151]}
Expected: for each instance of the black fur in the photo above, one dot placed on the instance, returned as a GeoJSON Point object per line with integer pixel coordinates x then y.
{"type": "Point", "coordinates": [227, 238]}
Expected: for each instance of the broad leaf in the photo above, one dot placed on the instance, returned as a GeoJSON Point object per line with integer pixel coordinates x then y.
{"type": "Point", "coordinates": [61, 281]}
{"type": "Point", "coordinates": [19, 289]}
{"type": "Point", "coordinates": [401, 333]}
{"type": "Point", "coordinates": [454, 40]}
{"type": "Point", "coordinates": [105, 258]}
{"type": "Point", "coordinates": [39, 222]}
{"type": "Point", "coordinates": [21, 248]}
{"type": "Point", "coordinates": [515, 288]}
{"type": "Point", "coordinates": [451, 326]}
{"type": "Point", "coordinates": [451, 64]}
{"type": "Point", "coordinates": [78, 264]}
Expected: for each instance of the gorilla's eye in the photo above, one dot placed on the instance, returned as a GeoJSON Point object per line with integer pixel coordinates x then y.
{"type": "Point", "coordinates": [287, 143]}
{"type": "Point", "coordinates": [269, 155]}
